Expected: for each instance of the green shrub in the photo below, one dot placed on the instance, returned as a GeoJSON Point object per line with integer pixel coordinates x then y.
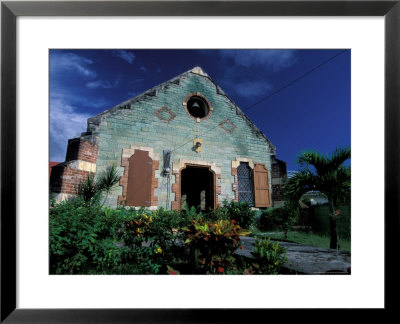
{"type": "Point", "coordinates": [274, 219]}
{"type": "Point", "coordinates": [240, 212]}
{"type": "Point", "coordinates": [83, 239]}
{"type": "Point", "coordinates": [212, 245]}
{"type": "Point", "coordinates": [190, 213]}
{"type": "Point", "coordinates": [219, 213]}
{"type": "Point", "coordinates": [269, 220]}
{"type": "Point", "coordinates": [269, 257]}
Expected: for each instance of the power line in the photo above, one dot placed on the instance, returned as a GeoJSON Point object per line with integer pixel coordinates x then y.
{"type": "Point", "coordinates": [263, 99]}
{"type": "Point", "coordinates": [295, 80]}
{"type": "Point", "coordinates": [274, 93]}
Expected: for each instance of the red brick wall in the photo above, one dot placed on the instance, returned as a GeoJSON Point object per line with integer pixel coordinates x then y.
{"type": "Point", "coordinates": [64, 179]}
{"type": "Point", "coordinates": [66, 176]}
{"type": "Point", "coordinates": [80, 149]}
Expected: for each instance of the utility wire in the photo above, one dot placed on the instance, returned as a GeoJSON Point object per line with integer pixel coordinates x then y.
{"type": "Point", "coordinates": [295, 80]}
{"type": "Point", "coordinates": [274, 93]}
{"type": "Point", "coordinates": [265, 98]}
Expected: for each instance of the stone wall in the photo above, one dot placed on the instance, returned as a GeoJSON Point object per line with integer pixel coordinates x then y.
{"type": "Point", "coordinates": [158, 119]}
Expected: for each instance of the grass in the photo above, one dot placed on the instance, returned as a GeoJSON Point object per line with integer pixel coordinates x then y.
{"type": "Point", "coordinates": [306, 238]}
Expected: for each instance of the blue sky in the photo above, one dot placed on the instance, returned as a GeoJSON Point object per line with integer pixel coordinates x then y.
{"type": "Point", "coordinates": [311, 113]}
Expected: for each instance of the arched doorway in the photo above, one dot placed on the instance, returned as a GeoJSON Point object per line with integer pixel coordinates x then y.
{"type": "Point", "coordinates": [197, 187]}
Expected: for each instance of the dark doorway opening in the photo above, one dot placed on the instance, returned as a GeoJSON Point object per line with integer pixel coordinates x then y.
{"type": "Point", "coordinates": [197, 188]}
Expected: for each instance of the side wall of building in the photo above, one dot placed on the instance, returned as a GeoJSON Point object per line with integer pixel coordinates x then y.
{"type": "Point", "coordinates": [145, 124]}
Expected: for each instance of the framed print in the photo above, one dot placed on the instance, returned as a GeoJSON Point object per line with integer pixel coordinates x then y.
{"type": "Point", "coordinates": [34, 33]}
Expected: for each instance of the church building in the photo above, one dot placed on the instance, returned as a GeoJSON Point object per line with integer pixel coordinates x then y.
{"type": "Point", "coordinates": [182, 142]}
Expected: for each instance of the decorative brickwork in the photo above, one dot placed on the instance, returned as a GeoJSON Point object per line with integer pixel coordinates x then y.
{"type": "Point", "coordinates": [227, 126]}
{"type": "Point", "coordinates": [126, 154]}
{"type": "Point", "coordinates": [198, 94]}
{"type": "Point", "coordinates": [165, 114]}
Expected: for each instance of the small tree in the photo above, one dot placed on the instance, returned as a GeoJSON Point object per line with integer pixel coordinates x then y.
{"type": "Point", "coordinates": [326, 174]}
{"type": "Point", "coordinates": [88, 188]}
{"type": "Point", "coordinates": [105, 182]}
{"type": "Point", "coordinates": [108, 180]}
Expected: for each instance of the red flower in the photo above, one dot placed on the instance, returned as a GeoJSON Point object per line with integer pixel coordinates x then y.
{"type": "Point", "coordinates": [241, 247]}
{"type": "Point", "coordinates": [233, 221]}
{"type": "Point", "coordinates": [220, 269]}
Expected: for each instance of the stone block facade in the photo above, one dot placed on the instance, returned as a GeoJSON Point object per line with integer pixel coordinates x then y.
{"type": "Point", "coordinates": [158, 120]}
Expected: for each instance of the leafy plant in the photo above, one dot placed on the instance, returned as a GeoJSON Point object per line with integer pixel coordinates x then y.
{"type": "Point", "coordinates": [88, 188]}
{"type": "Point", "coordinates": [219, 213]}
{"type": "Point", "coordinates": [82, 240]}
{"type": "Point", "coordinates": [240, 212]}
{"type": "Point", "coordinates": [281, 218]}
{"type": "Point", "coordinates": [212, 244]}
{"type": "Point", "coordinates": [326, 174]}
{"type": "Point", "coordinates": [108, 179]}
{"type": "Point", "coordinates": [92, 186]}
{"type": "Point", "coordinates": [269, 257]}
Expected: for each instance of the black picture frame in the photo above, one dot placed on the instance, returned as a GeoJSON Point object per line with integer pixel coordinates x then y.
{"type": "Point", "coordinates": [10, 10]}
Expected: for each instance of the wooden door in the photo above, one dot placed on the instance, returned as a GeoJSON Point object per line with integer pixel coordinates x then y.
{"type": "Point", "coordinates": [262, 196]}
{"type": "Point", "coordinates": [139, 179]}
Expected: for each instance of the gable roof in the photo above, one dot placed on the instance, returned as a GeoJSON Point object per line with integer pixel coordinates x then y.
{"type": "Point", "coordinates": [95, 121]}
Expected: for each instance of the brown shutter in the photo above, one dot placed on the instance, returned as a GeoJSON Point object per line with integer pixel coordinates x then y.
{"type": "Point", "coordinates": [262, 197]}
{"type": "Point", "coordinates": [139, 179]}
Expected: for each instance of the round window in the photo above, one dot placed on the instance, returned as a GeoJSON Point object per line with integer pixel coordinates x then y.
{"type": "Point", "coordinates": [197, 107]}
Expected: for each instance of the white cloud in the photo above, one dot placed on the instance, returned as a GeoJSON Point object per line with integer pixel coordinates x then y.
{"type": "Point", "coordinates": [250, 88]}
{"type": "Point", "coordinates": [59, 62]}
{"type": "Point", "coordinates": [125, 55]}
{"type": "Point", "coordinates": [65, 123]}
{"type": "Point", "coordinates": [102, 84]}
{"type": "Point", "coordinates": [272, 60]}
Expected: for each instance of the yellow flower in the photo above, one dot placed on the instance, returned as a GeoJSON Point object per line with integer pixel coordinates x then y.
{"type": "Point", "coordinates": [159, 250]}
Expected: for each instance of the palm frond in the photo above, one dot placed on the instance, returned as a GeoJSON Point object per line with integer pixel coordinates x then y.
{"type": "Point", "coordinates": [300, 183]}
{"type": "Point", "coordinates": [108, 178]}
{"type": "Point", "coordinates": [339, 156]}
{"type": "Point", "coordinates": [88, 188]}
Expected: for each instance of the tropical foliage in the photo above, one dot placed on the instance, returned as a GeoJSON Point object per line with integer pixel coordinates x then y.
{"type": "Point", "coordinates": [326, 174]}
{"type": "Point", "coordinates": [279, 218]}
{"type": "Point", "coordinates": [87, 238]}
{"type": "Point", "coordinates": [103, 183]}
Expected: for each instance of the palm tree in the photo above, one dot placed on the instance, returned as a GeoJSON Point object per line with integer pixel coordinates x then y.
{"type": "Point", "coordinates": [105, 182]}
{"type": "Point", "coordinates": [326, 174]}
{"type": "Point", "coordinates": [108, 180]}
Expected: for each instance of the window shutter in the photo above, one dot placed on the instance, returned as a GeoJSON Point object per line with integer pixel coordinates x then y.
{"type": "Point", "coordinates": [262, 196]}
{"type": "Point", "coordinates": [139, 179]}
